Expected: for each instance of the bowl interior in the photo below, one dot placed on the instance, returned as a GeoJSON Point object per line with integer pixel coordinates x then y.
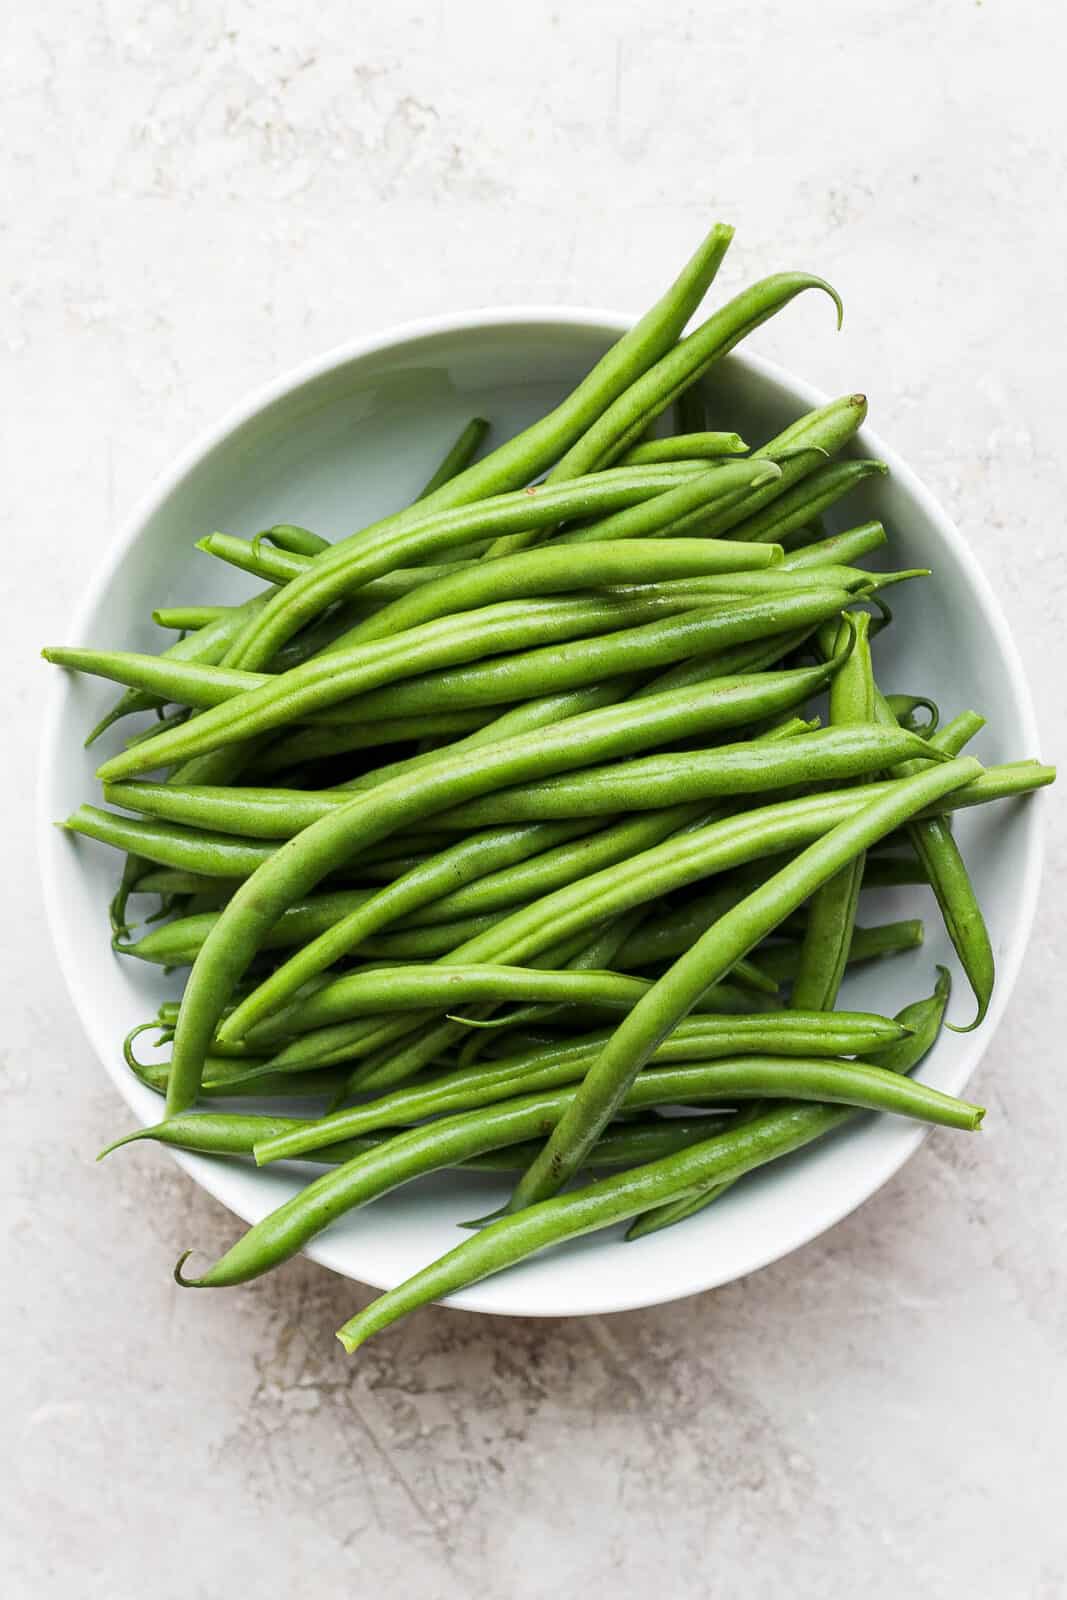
{"type": "Point", "coordinates": [355, 436]}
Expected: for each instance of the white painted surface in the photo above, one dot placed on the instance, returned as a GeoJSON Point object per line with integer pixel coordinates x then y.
{"type": "Point", "coordinates": [201, 195]}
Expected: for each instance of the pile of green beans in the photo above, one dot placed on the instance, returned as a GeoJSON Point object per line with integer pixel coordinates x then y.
{"type": "Point", "coordinates": [504, 834]}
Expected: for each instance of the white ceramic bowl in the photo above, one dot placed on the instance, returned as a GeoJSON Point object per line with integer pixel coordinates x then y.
{"type": "Point", "coordinates": [353, 435]}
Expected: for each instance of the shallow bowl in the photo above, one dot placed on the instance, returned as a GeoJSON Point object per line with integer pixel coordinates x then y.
{"type": "Point", "coordinates": [353, 435]}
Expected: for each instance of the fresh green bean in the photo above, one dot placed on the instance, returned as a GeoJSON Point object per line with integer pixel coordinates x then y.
{"type": "Point", "coordinates": [591, 660]}
{"type": "Point", "coordinates": [244, 704]}
{"type": "Point", "coordinates": [685, 508]}
{"type": "Point", "coordinates": [653, 781]}
{"type": "Point", "coordinates": [207, 854]}
{"type": "Point", "coordinates": [298, 541]}
{"type": "Point", "coordinates": [783, 961]}
{"type": "Point", "coordinates": [300, 863]}
{"type": "Point", "coordinates": [643, 784]}
{"type": "Point", "coordinates": [429, 526]}
{"type": "Point", "coordinates": [458, 457]}
{"type": "Point", "coordinates": [687, 446]}
{"type": "Point", "coordinates": [295, 750]}
{"type": "Point", "coordinates": [922, 1021]}
{"type": "Point", "coordinates": [729, 702]}
{"type": "Point", "coordinates": [620, 426]}
{"type": "Point", "coordinates": [719, 847]}
{"type": "Point", "coordinates": [207, 647]}
{"type": "Point", "coordinates": [832, 911]}
{"type": "Point", "coordinates": [698, 1038]}
{"type": "Point", "coordinates": [904, 707]}
{"type": "Point", "coordinates": [514, 1237]}
{"type": "Point", "coordinates": [236, 1133]}
{"type": "Point", "coordinates": [839, 547]}
{"type": "Point", "coordinates": [188, 619]}
{"type": "Point", "coordinates": [537, 573]}
{"type": "Point", "coordinates": [709, 960]}
{"type": "Point", "coordinates": [427, 1148]}
{"type": "Point", "coordinates": [801, 449]}
{"type": "Point", "coordinates": [790, 511]}
{"type": "Point", "coordinates": [941, 859]}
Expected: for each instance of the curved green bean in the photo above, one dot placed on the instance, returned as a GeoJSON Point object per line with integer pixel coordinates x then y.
{"type": "Point", "coordinates": [697, 1038]}
{"type": "Point", "coordinates": [922, 1021]}
{"type": "Point", "coordinates": [710, 958]}
{"type": "Point", "coordinates": [427, 1148]}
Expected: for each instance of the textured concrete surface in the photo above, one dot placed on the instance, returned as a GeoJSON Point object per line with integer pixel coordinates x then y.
{"type": "Point", "coordinates": [198, 195]}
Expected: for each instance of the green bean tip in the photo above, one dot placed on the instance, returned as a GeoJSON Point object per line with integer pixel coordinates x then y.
{"type": "Point", "coordinates": [490, 1216]}
{"type": "Point", "coordinates": [179, 1276]}
{"type": "Point", "coordinates": [127, 1138]}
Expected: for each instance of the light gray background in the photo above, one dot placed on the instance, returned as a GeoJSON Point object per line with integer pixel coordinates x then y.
{"type": "Point", "coordinates": [199, 195]}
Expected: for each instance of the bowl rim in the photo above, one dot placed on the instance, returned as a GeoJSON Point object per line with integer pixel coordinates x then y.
{"type": "Point", "coordinates": [213, 1177]}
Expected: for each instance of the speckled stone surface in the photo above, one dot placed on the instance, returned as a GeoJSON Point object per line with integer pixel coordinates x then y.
{"type": "Point", "coordinates": [198, 195]}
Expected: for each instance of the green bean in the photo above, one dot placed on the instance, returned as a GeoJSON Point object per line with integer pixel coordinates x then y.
{"type": "Point", "coordinates": [253, 703]}
{"type": "Point", "coordinates": [654, 781]}
{"type": "Point", "coordinates": [563, 864]}
{"type": "Point", "coordinates": [178, 943]}
{"type": "Point", "coordinates": [620, 426]}
{"type": "Point", "coordinates": [682, 860]}
{"type": "Point", "coordinates": [687, 446]}
{"type": "Point", "coordinates": [259, 561]}
{"type": "Point", "coordinates": [409, 534]}
{"type": "Point", "coordinates": [322, 743]}
{"type": "Point", "coordinates": [731, 701]}
{"type": "Point", "coordinates": [840, 547]}
{"type": "Point", "coordinates": [754, 657]}
{"type": "Point", "coordinates": [946, 871]}
{"type": "Point", "coordinates": [904, 707]}
{"type": "Point", "coordinates": [490, 724]}
{"type": "Point", "coordinates": [235, 1133]}
{"type": "Point", "coordinates": [592, 660]}
{"type": "Point", "coordinates": [425, 944]}
{"type": "Point", "coordinates": [172, 881]}
{"type": "Point", "coordinates": [230, 1079]}
{"type": "Point", "coordinates": [188, 619]}
{"type": "Point", "coordinates": [675, 929]}
{"type": "Point", "coordinates": [514, 1237]}
{"type": "Point", "coordinates": [625, 422]}
{"type": "Point", "coordinates": [782, 961]}
{"type": "Point", "coordinates": [324, 681]}
{"type": "Point", "coordinates": [424, 1149]}
{"type": "Point", "coordinates": [698, 1038]}
{"type": "Point", "coordinates": [458, 457]}
{"type": "Point", "coordinates": [623, 1145]}
{"type": "Point", "coordinates": [278, 566]}
{"type": "Point", "coordinates": [686, 507]}
{"type": "Point", "coordinates": [443, 986]}
{"type": "Point", "coordinates": [287, 536]}
{"type": "Point", "coordinates": [647, 783]}
{"type": "Point", "coordinates": [832, 911]}
{"type": "Point", "coordinates": [922, 1020]}
{"type": "Point", "coordinates": [789, 512]}
{"type": "Point", "coordinates": [555, 569]}
{"type": "Point", "coordinates": [596, 955]}
{"type": "Point", "coordinates": [709, 960]}
{"type": "Point", "coordinates": [543, 711]}
{"type": "Point", "coordinates": [726, 846]}
{"type": "Point", "coordinates": [215, 855]}
{"type": "Point", "coordinates": [302, 862]}
{"type": "Point", "coordinates": [207, 647]}
{"type": "Point", "coordinates": [192, 683]}
{"type": "Point", "coordinates": [800, 450]}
